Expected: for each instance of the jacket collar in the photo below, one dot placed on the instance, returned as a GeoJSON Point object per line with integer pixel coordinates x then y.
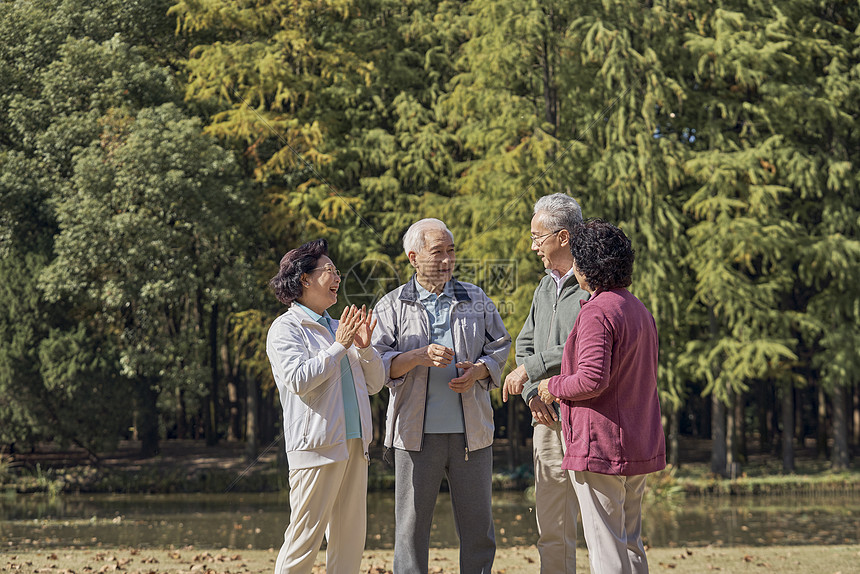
{"type": "Point", "coordinates": [410, 291]}
{"type": "Point", "coordinates": [571, 284]}
{"type": "Point", "coordinates": [571, 281]}
{"type": "Point", "coordinates": [313, 314]}
{"type": "Point", "coordinates": [591, 297]}
{"type": "Point", "coordinates": [306, 320]}
{"type": "Point", "coordinates": [567, 276]}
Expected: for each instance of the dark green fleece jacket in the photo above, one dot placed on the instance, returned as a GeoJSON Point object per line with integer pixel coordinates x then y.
{"type": "Point", "coordinates": [541, 340]}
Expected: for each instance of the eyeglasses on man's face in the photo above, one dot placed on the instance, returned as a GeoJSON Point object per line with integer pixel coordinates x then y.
{"type": "Point", "coordinates": [536, 238]}
{"type": "Point", "coordinates": [328, 267]}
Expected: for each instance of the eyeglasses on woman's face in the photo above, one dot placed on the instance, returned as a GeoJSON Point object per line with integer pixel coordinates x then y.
{"type": "Point", "coordinates": [536, 238]}
{"type": "Point", "coordinates": [329, 268]}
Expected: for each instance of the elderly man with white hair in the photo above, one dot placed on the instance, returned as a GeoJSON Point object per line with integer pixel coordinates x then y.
{"type": "Point", "coordinates": [555, 306]}
{"type": "Point", "coordinates": [443, 347]}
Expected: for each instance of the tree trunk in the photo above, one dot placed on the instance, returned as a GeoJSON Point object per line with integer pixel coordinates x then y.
{"type": "Point", "coordinates": [181, 420]}
{"type": "Point", "coordinates": [799, 438]}
{"type": "Point", "coordinates": [821, 436]}
{"type": "Point", "coordinates": [787, 396]}
{"type": "Point", "coordinates": [718, 436]}
{"type": "Point", "coordinates": [270, 415]}
{"type": "Point", "coordinates": [841, 457]}
{"type": "Point", "coordinates": [135, 418]}
{"type": "Point", "coordinates": [251, 432]}
{"type": "Point", "coordinates": [731, 434]}
{"type": "Point", "coordinates": [702, 416]}
{"type": "Point", "coordinates": [741, 427]}
{"type": "Point", "coordinates": [147, 417]}
{"type": "Point", "coordinates": [856, 415]}
{"type": "Point", "coordinates": [763, 434]}
{"type": "Point", "coordinates": [378, 408]}
{"type": "Point", "coordinates": [212, 398]}
{"type": "Point", "coordinates": [550, 90]}
{"type": "Point", "coordinates": [208, 415]}
{"type": "Point", "coordinates": [234, 425]}
{"type": "Point", "coordinates": [513, 434]}
{"type": "Point", "coordinates": [772, 424]}
{"type": "Point", "coordinates": [674, 432]}
{"type": "Point", "coordinates": [234, 412]}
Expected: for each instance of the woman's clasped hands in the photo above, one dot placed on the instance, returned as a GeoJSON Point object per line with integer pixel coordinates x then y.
{"type": "Point", "coordinates": [543, 391]}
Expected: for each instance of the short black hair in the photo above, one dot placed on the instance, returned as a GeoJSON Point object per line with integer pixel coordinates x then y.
{"type": "Point", "coordinates": [603, 254]}
{"type": "Point", "coordinates": [287, 284]}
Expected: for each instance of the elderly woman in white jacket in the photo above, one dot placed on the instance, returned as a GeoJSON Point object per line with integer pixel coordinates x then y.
{"type": "Point", "coordinates": [324, 370]}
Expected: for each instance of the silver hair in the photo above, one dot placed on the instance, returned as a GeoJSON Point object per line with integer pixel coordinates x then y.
{"type": "Point", "coordinates": [559, 211]}
{"type": "Point", "coordinates": [413, 239]}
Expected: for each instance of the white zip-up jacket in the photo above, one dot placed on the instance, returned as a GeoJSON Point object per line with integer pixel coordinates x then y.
{"type": "Point", "coordinates": [479, 337]}
{"type": "Point", "coordinates": [305, 361]}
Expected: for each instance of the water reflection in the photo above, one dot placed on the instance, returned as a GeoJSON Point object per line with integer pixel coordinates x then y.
{"type": "Point", "coordinates": [258, 521]}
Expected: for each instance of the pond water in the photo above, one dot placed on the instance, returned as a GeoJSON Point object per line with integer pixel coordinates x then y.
{"type": "Point", "coordinates": [258, 521]}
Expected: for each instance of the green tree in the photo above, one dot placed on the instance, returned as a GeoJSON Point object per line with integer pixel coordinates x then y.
{"type": "Point", "coordinates": [569, 98]}
{"type": "Point", "coordinates": [55, 371]}
{"type": "Point", "coordinates": [720, 136]}
{"type": "Point", "coordinates": [79, 72]}
{"type": "Point", "coordinates": [774, 140]}
{"type": "Point", "coordinates": [150, 240]}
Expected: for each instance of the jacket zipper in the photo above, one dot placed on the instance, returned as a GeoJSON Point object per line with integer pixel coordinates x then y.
{"type": "Point", "coordinates": [558, 293]}
{"type": "Point", "coordinates": [327, 331]}
{"type": "Point", "coordinates": [427, 382]}
{"type": "Point", "coordinates": [462, 407]}
{"type": "Point", "coordinates": [307, 416]}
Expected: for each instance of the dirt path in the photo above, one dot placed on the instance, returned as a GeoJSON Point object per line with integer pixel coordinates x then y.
{"type": "Point", "coordinates": [779, 559]}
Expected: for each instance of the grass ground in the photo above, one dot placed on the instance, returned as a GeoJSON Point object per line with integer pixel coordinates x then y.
{"type": "Point", "coordinates": [782, 559]}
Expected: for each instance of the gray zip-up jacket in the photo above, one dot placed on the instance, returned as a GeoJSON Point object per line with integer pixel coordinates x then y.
{"type": "Point", "coordinates": [541, 341]}
{"type": "Point", "coordinates": [479, 336]}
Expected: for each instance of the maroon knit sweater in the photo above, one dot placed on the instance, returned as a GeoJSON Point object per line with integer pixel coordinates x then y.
{"type": "Point", "coordinates": [608, 388]}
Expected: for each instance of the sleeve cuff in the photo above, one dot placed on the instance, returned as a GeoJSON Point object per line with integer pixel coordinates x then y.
{"type": "Point", "coordinates": [367, 353]}
{"type": "Point", "coordinates": [529, 394]}
{"type": "Point", "coordinates": [487, 382]}
{"type": "Point", "coordinates": [534, 367]}
{"type": "Point", "coordinates": [337, 350]}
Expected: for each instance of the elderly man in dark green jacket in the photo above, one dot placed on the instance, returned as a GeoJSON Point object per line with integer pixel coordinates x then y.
{"type": "Point", "coordinates": [554, 308]}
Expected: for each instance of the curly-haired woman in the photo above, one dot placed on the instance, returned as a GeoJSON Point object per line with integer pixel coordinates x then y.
{"type": "Point", "coordinates": [324, 370]}
{"type": "Point", "coordinates": [609, 407]}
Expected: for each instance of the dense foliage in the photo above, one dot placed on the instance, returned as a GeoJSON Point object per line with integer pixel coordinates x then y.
{"type": "Point", "coordinates": [157, 158]}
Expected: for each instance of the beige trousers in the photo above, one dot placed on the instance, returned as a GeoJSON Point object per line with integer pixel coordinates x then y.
{"type": "Point", "coordinates": [556, 506]}
{"type": "Point", "coordinates": [611, 509]}
{"type": "Point", "coordinates": [328, 500]}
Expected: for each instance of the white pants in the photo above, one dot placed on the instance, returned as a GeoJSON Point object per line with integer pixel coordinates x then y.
{"type": "Point", "coordinates": [328, 500]}
{"type": "Point", "coordinates": [611, 509]}
{"type": "Point", "coordinates": [556, 506]}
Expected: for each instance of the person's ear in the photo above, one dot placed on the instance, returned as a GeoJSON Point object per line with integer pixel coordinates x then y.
{"type": "Point", "coordinates": [412, 259]}
{"type": "Point", "coordinates": [564, 237]}
{"type": "Point", "coordinates": [304, 280]}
